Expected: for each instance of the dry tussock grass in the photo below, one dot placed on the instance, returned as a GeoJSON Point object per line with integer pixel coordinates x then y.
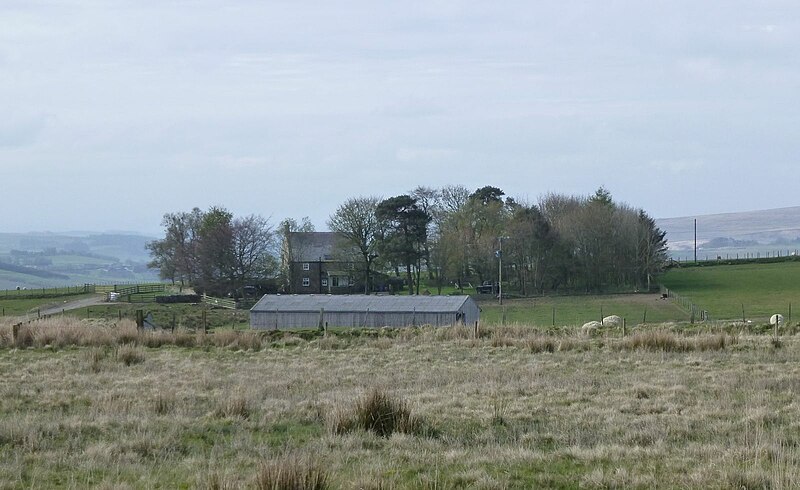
{"type": "Point", "coordinates": [233, 406]}
{"type": "Point", "coordinates": [291, 472]}
{"type": "Point", "coordinates": [378, 412]}
{"type": "Point", "coordinates": [663, 341]}
{"type": "Point", "coordinates": [547, 410]}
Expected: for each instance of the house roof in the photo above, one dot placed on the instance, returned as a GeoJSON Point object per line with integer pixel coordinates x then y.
{"type": "Point", "coordinates": [312, 246]}
{"type": "Point", "coordinates": [360, 303]}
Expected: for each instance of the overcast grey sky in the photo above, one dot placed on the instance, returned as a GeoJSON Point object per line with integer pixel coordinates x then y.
{"type": "Point", "coordinates": [115, 112]}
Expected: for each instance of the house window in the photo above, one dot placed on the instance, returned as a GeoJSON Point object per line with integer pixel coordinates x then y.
{"type": "Point", "coordinates": [339, 282]}
{"type": "Point", "coordinates": [306, 266]}
{"type": "Point", "coordinates": [306, 282]}
{"type": "Point", "coordinates": [325, 283]}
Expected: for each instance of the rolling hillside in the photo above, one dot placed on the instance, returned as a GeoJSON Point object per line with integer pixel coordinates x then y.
{"type": "Point", "coordinates": [36, 260]}
{"type": "Point", "coordinates": [754, 232]}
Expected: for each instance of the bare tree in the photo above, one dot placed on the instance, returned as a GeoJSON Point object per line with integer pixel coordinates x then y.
{"type": "Point", "coordinates": [252, 246]}
{"type": "Point", "coordinates": [357, 224]}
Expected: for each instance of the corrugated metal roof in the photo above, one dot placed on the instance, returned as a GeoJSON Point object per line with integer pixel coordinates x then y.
{"type": "Point", "coordinates": [359, 302]}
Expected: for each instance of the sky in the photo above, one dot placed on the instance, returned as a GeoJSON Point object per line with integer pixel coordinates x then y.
{"type": "Point", "coordinates": [114, 112]}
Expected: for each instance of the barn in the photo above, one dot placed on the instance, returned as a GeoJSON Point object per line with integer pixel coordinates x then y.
{"type": "Point", "coordinates": [281, 311]}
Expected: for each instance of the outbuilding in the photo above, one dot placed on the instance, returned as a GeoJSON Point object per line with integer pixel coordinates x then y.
{"type": "Point", "coordinates": [281, 311]}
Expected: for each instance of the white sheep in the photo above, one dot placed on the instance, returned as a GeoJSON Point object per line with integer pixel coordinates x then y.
{"type": "Point", "coordinates": [776, 319]}
{"type": "Point", "coordinates": [591, 328]}
{"type": "Point", "coordinates": [612, 321]}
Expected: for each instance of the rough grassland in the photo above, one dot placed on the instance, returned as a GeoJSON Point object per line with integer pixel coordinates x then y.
{"type": "Point", "coordinates": [764, 289]}
{"type": "Point", "coordinates": [511, 409]}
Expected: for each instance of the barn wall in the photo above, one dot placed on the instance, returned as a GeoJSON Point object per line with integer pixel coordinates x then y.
{"type": "Point", "coordinates": [471, 312]}
{"type": "Point", "coordinates": [268, 320]}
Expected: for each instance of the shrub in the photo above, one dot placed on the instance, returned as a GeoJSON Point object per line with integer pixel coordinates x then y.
{"type": "Point", "coordinates": [291, 473]}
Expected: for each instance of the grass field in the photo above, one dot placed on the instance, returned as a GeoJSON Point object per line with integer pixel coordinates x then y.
{"type": "Point", "coordinates": [763, 289]}
{"type": "Point", "coordinates": [511, 409]}
{"type": "Point", "coordinates": [185, 315]}
{"type": "Point", "coordinates": [577, 310]}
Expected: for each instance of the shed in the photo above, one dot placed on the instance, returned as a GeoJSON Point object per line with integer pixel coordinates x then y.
{"type": "Point", "coordinates": [280, 311]}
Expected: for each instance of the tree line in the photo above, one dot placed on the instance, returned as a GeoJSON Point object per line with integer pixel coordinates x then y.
{"type": "Point", "coordinates": [444, 236]}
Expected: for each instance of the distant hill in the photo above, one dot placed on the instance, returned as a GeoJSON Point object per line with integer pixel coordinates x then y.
{"type": "Point", "coordinates": [727, 234]}
{"type": "Point", "coordinates": [58, 259]}
{"type": "Point", "coordinates": [120, 246]}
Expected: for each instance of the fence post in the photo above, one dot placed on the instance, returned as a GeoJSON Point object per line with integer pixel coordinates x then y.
{"type": "Point", "coordinates": [644, 317]}
{"type": "Point", "coordinates": [504, 315]}
{"type": "Point", "coordinates": [623, 326]}
{"type": "Point", "coordinates": [554, 316]}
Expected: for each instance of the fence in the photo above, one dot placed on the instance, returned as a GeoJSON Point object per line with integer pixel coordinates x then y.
{"type": "Point", "coordinates": [766, 257]}
{"type": "Point", "coordinates": [36, 293]}
{"type": "Point", "coordinates": [695, 312]}
{"type": "Point", "coordinates": [220, 302]}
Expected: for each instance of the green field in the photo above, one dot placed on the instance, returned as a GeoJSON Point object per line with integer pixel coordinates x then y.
{"type": "Point", "coordinates": [577, 310]}
{"type": "Point", "coordinates": [763, 289]}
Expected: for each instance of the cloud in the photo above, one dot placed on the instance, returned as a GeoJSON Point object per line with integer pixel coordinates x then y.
{"type": "Point", "coordinates": [678, 166]}
{"type": "Point", "coordinates": [21, 132]}
{"type": "Point", "coordinates": [425, 155]}
{"type": "Point", "coordinates": [231, 162]}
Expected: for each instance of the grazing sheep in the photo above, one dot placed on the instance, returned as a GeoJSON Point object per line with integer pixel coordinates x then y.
{"type": "Point", "coordinates": [591, 328]}
{"type": "Point", "coordinates": [776, 319]}
{"type": "Point", "coordinates": [612, 321]}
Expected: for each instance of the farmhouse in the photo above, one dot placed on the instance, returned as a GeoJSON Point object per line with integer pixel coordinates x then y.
{"type": "Point", "coordinates": [309, 264]}
{"type": "Point", "coordinates": [275, 312]}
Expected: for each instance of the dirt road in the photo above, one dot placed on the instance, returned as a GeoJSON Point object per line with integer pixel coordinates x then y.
{"type": "Point", "coordinates": [56, 308]}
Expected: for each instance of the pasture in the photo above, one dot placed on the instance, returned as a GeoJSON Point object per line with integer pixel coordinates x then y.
{"type": "Point", "coordinates": [577, 310]}
{"type": "Point", "coordinates": [91, 404]}
{"type": "Point", "coordinates": [762, 289]}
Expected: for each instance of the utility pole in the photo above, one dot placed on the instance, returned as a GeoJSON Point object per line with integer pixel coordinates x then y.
{"type": "Point", "coordinates": [695, 240]}
{"type": "Point", "coordinates": [500, 271]}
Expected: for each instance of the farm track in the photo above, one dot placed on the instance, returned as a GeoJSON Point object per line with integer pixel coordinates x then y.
{"type": "Point", "coordinates": [56, 308]}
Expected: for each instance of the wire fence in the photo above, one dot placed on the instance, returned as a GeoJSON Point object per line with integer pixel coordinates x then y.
{"type": "Point", "coordinates": [696, 312]}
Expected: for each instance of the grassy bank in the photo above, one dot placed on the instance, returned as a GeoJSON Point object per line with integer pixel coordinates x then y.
{"type": "Point", "coordinates": [513, 408]}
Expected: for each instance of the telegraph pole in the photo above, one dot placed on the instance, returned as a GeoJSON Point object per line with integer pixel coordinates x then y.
{"type": "Point", "coordinates": [500, 270]}
{"type": "Point", "coordinates": [695, 240]}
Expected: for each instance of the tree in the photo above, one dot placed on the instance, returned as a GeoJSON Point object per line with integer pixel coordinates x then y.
{"type": "Point", "coordinates": [356, 221]}
{"type": "Point", "coordinates": [252, 246]}
{"type": "Point", "coordinates": [404, 233]}
{"type": "Point", "coordinates": [651, 256]}
{"type": "Point", "coordinates": [214, 251]}
{"type": "Point", "coordinates": [176, 254]}
{"type": "Point", "coordinates": [530, 247]}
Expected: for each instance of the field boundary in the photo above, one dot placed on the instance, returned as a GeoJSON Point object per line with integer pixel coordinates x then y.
{"type": "Point", "coordinates": [696, 312]}
{"type": "Point", "coordinates": [220, 302]}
